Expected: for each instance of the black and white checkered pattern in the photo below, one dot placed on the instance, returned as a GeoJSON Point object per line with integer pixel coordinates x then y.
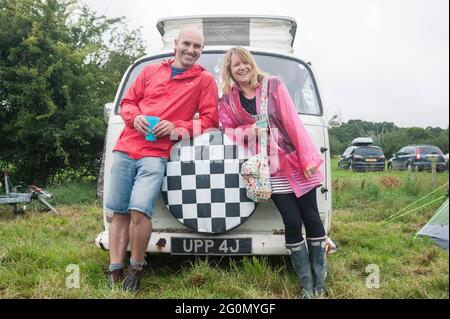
{"type": "Point", "coordinates": [203, 188]}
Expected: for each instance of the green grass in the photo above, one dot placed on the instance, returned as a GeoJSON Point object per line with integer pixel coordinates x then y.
{"type": "Point", "coordinates": [36, 248]}
{"type": "Point", "coordinates": [374, 196]}
{"type": "Point", "coordinates": [74, 193]}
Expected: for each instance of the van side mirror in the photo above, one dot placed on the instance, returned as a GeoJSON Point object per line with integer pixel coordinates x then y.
{"type": "Point", "coordinates": [107, 111]}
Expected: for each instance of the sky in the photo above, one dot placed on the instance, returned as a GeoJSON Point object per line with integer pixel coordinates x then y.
{"type": "Point", "coordinates": [375, 60]}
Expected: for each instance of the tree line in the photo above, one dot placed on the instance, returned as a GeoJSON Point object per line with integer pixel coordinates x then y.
{"type": "Point", "coordinates": [386, 135]}
{"type": "Point", "coordinates": [60, 63]}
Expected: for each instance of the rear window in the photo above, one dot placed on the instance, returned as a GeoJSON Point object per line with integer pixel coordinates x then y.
{"type": "Point", "coordinates": [369, 151]}
{"type": "Point", "coordinates": [294, 73]}
{"type": "Point", "coordinates": [430, 150]}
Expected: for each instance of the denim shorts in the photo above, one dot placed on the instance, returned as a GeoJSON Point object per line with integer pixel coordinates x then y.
{"type": "Point", "coordinates": [135, 184]}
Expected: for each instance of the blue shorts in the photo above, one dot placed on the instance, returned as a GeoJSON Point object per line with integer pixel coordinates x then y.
{"type": "Point", "coordinates": [135, 184]}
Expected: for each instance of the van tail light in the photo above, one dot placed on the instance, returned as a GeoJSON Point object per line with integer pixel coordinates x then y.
{"type": "Point", "coordinates": [382, 157]}
{"type": "Point", "coordinates": [357, 157]}
{"type": "Point", "coordinates": [417, 153]}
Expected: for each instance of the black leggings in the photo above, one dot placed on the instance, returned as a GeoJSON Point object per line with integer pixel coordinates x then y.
{"type": "Point", "coordinates": [296, 211]}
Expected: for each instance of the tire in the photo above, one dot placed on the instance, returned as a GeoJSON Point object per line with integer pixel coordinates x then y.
{"type": "Point", "coordinates": [350, 166]}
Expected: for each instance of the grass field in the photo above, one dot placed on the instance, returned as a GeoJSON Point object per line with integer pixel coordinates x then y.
{"type": "Point", "coordinates": [38, 249]}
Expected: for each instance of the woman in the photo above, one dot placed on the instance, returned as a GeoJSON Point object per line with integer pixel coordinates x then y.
{"type": "Point", "coordinates": [293, 159]}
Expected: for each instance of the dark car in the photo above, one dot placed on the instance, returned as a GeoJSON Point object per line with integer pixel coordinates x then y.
{"type": "Point", "coordinates": [417, 158]}
{"type": "Point", "coordinates": [362, 158]}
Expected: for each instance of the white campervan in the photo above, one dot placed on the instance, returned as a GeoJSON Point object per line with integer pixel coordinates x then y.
{"type": "Point", "coordinates": [270, 39]}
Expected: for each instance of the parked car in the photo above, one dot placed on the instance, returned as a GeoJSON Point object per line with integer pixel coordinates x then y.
{"type": "Point", "coordinates": [362, 156]}
{"type": "Point", "coordinates": [262, 233]}
{"type": "Point", "coordinates": [417, 158]}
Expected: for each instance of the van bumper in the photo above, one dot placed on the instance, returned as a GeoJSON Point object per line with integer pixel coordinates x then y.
{"type": "Point", "coordinates": [161, 242]}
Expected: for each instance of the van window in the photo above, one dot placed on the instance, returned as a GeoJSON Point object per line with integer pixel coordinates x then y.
{"type": "Point", "coordinates": [294, 73]}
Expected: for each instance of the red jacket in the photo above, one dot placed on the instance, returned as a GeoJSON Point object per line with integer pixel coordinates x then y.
{"type": "Point", "coordinates": [175, 100]}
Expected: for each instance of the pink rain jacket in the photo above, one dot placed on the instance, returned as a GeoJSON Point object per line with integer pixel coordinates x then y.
{"type": "Point", "coordinates": [290, 149]}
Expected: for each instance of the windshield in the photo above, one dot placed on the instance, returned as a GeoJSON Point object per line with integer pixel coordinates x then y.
{"type": "Point", "coordinates": [369, 151]}
{"type": "Point", "coordinates": [295, 75]}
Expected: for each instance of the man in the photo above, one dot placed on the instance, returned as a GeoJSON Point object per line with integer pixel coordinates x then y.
{"type": "Point", "coordinates": [173, 91]}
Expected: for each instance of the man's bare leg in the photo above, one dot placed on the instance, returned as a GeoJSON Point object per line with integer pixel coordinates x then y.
{"type": "Point", "coordinates": [140, 232]}
{"type": "Point", "coordinates": [119, 237]}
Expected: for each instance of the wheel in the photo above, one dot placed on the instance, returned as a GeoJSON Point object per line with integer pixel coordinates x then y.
{"type": "Point", "coordinates": [409, 167]}
{"type": "Point", "coordinates": [350, 166]}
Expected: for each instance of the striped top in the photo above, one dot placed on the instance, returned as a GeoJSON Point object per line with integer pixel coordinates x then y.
{"type": "Point", "coordinates": [280, 185]}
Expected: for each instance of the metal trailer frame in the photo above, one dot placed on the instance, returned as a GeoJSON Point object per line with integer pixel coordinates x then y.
{"type": "Point", "coordinates": [15, 199]}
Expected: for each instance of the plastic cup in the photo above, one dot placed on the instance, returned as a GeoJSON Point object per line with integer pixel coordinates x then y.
{"type": "Point", "coordinates": [152, 121]}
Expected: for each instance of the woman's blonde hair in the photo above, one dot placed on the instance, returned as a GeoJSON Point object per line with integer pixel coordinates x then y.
{"type": "Point", "coordinates": [246, 57]}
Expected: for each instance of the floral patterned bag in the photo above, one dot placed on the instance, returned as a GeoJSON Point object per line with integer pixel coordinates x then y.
{"type": "Point", "coordinates": [255, 171]}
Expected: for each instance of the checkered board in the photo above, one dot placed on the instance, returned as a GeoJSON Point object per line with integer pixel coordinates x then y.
{"type": "Point", "coordinates": [202, 187]}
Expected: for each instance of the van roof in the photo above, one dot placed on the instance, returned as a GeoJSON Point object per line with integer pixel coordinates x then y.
{"type": "Point", "coordinates": [256, 31]}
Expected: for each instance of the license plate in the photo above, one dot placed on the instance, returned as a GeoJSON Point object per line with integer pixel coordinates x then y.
{"type": "Point", "coordinates": [371, 160]}
{"type": "Point", "coordinates": [210, 246]}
